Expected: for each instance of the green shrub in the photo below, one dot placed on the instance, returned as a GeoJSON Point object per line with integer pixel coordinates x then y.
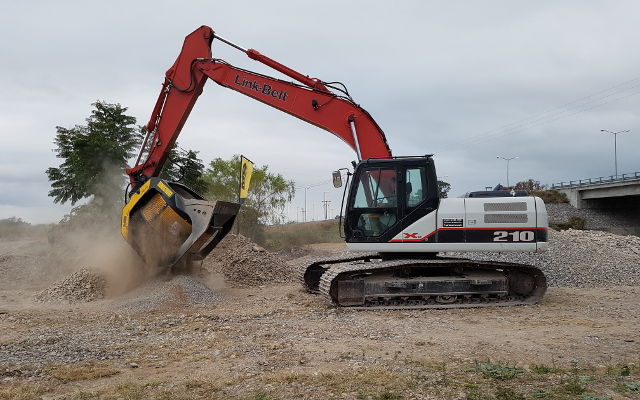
{"type": "Point", "coordinates": [388, 395]}
{"type": "Point", "coordinates": [475, 394]}
{"type": "Point", "coordinates": [625, 370]}
{"type": "Point", "coordinates": [543, 369]}
{"type": "Point", "coordinates": [498, 372]}
{"type": "Point", "coordinates": [573, 223]}
{"type": "Point", "coordinates": [503, 393]}
{"type": "Point", "coordinates": [550, 196]}
{"type": "Point", "coordinates": [539, 394]}
{"type": "Point", "coordinates": [573, 387]}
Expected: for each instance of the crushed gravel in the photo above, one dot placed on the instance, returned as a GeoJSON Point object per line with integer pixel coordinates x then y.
{"type": "Point", "coordinates": [178, 291]}
{"type": "Point", "coordinates": [580, 259]}
{"type": "Point", "coordinates": [243, 263]}
{"type": "Point", "coordinates": [81, 286]}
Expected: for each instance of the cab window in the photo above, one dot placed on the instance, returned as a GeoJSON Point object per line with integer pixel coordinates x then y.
{"type": "Point", "coordinates": [415, 186]}
{"type": "Point", "coordinates": [375, 203]}
{"type": "Point", "coordinates": [376, 189]}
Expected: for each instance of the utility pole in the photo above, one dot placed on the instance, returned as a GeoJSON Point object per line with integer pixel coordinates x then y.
{"type": "Point", "coordinates": [615, 147]}
{"type": "Point", "coordinates": [305, 197]}
{"type": "Point", "coordinates": [507, 159]}
{"type": "Point", "coordinates": [305, 203]}
{"type": "Point", "coordinates": [325, 205]}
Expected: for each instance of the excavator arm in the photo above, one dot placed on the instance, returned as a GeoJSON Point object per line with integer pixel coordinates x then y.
{"type": "Point", "coordinates": [311, 100]}
{"type": "Point", "coordinates": [169, 224]}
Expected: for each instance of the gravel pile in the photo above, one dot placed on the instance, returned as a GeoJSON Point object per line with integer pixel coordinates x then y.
{"type": "Point", "coordinates": [581, 259]}
{"type": "Point", "coordinates": [179, 291]}
{"type": "Point", "coordinates": [609, 220]}
{"type": "Point", "coordinates": [81, 286]}
{"type": "Point", "coordinates": [244, 263]}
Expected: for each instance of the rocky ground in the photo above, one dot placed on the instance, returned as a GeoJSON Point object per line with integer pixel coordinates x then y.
{"type": "Point", "coordinates": [622, 221]}
{"type": "Point", "coordinates": [581, 259]}
{"type": "Point", "coordinates": [82, 285]}
{"type": "Point", "coordinates": [245, 264]}
{"type": "Point", "coordinates": [216, 336]}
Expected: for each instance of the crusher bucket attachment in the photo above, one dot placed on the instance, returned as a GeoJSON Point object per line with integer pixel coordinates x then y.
{"type": "Point", "coordinates": [171, 226]}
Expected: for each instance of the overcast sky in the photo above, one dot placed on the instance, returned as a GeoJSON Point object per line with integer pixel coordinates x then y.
{"type": "Point", "coordinates": [465, 80]}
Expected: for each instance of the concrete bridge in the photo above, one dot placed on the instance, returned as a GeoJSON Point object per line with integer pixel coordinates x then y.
{"type": "Point", "coordinates": [622, 191]}
{"type": "Point", "coordinates": [609, 203]}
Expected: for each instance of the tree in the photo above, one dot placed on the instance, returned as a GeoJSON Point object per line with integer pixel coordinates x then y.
{"type": "Point", "coordinates": [13, 227]}
{"type": "Point", "coordinates": [185, 167]}
{"type": "Point", "coordinates": [268, 193]}
{"type": "Point", "coordinates": [94, 156]}
{"type": "Point", "coordinates": [443, 189]}
{"type": "Point", "coordinates": [529, 185]}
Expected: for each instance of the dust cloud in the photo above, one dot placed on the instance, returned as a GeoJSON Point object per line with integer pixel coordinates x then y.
{"type": "Point", "coordinates": [89, 237]}
{"type": "Point", "coordinates": [104, 251]}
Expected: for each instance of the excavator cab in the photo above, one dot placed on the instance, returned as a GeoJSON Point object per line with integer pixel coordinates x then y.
{"type": "Point", "coordinates": [171, 226]}
{"type": "Point", "coordinates": [387, 194]}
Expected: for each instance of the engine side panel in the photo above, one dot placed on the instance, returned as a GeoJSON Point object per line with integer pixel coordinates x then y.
{"type": "Point", "coordinates": [473, 224]}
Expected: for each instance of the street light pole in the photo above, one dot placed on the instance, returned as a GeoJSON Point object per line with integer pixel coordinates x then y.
{"type": "Point", "coordinates": [305, 203]}
{"type": "Point", "coordinates": [507, 159]}
{"type": "Point", "coordinates": [615, 146]}
{"type": "Point", "coordinates": [305, 197]}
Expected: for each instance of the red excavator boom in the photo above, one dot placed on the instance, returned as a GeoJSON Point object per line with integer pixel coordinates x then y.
{"type": "Point", "coordinates": [312, 100]}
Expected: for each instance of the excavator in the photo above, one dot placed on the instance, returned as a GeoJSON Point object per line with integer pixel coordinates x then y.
{"type": "Point", "coordinates": [395, 223]}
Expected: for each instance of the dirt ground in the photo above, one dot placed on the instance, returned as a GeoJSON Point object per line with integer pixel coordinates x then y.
{"type": "Point", "coordinates": [279, 342]}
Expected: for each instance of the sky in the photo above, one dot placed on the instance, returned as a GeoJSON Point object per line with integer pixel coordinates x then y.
{"type": "Point", "coordinates": [466, 81]}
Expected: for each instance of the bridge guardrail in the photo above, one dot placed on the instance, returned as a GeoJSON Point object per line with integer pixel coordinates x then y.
{"type": "Point", "coordinates": [597, 181]}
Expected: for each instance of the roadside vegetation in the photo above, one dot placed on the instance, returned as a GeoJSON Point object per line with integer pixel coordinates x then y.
{"type": "Point", "coordinates": [286, 237]}
{"type": "Point", "coordinates": [550, 196]}
{"type": "Point", "coordinates": [405, 379]}
{"type": "Point", "coordinates": [572, 223]}
{"type": "Point", "coordinates": [535, 188]}
{"type": "Point", "coordinates": [268, 194]}
{"type": "Point", "coordinates": [16, 228]}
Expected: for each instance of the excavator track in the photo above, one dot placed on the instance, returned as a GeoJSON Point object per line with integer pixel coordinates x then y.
{"type": "Point", "coordinates": [370, 282]}
{"type": "Point", "coordinates": [309, 274]}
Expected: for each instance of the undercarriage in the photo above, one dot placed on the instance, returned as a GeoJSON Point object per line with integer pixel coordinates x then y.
{"type": "Point", "coordinates": [374, 282]}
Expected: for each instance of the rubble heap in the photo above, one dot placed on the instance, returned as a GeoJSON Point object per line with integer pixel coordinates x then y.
{"type": "Point", "coordinates": [581, 259]}
{"type": "Point", "coordinates": [81, 286]}
{"type": "Point", "coordinates": [244, 263]}
{"type": "Point", "coordinates": [166, 292]}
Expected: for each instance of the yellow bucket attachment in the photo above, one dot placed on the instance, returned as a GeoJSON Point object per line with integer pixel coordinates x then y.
{"type": "Point", "coordinates": [168, 224]}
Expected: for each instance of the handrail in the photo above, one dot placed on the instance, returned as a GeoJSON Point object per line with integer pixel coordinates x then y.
{"type": "Point", "coordinates": [632, 176]}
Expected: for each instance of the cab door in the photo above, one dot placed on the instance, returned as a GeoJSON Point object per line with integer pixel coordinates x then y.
{"type": "Point", "coordinates": [373, 210]}
{"type": "Point", "coordinates": [419, 203]}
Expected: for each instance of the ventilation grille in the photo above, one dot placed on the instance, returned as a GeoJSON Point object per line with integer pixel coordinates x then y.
{"type": "Point", "coordinates": [511, 206]}
{"type": "Point", "coordinates": [505, 218]}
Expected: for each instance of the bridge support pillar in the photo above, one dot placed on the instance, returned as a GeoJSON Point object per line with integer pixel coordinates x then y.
{"type": "Point", "coordinates": [574, 196]}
